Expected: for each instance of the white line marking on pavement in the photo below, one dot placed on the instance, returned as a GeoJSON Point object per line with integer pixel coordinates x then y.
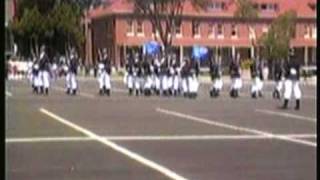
{"type": "Point", "coordinates": [167, 172]}
{"type": "Point", "coordinates": [8, 93]}
{"type": "Point", "coordinates": [237, 128]}
{"type": "Point", "coordinates": [152, 138]}
{"type": "Point", "coordinates": [286, 115]}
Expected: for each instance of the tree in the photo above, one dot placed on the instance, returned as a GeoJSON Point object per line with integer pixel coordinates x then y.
{"type": "Point", "coordinates": [164, 16]}
{"type": "Point", "coordinates": [246, 12]}
{"type": "Point", "coordinates": [53, 22]}
{"type": "Point", "coordinates": [276, 43]}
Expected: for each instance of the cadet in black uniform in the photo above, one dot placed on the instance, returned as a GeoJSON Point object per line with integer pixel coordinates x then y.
{"type": "Point", "coordinates": [234, 70]}
{"type": "Point", "coordinates": [278, 78]}
{"type": "Point", "coordinates": [104, 68]}
{"type": "Point", "coordinates": [35, 76]}
{"type": "Point", "coordinates": [44, 72]}
{"type": "Point", "coordinates": [292, 76]}
{"type": "Point", "coordinates": [156, 75]}
{"type": "Point", "coordinates": [137, 73]}
{"type": "Point", "coordinates": [193, 79]}
{"type": "Point", "coordinates": [185, 73]}
{"type": "Point", "coordinates": [216, 73]}
{"type": "Point", "coordinates": [164, 71]}
{"type": "Point", "coordinates": [72, 69]}
{"type": "Point", "coordinates": [146, 65]}
{"type": "Point", "coordinates": [130, 77]}
{"type": "Point", "coordinates": [257, 78]}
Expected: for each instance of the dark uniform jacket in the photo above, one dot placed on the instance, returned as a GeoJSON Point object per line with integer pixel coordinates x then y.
{"type": "Point", "coordinates": [73, 65]}
{"type": "Point", "coordinates": [195, 69]}
{"type": "Point", "coordinates": [107, 65]}
{"type": "Point", "coordinates": [44, 63]}
{"type": "Point", "coordinates": [138, 68]}
{"type": "Point", "coordinates": [292, 70]}
{"type": "Point", "coordinates": [234, 70]}
{"type": "Point", "coordinates": [256, 70]}
{"type": "Point", "coordinates": [146, 68]}
{"type": "Point", "coordinates": [215, 71]}
{"type": "Point", "coordinates": [185, 70]}
{"type": "Point", "coordinates": [278, 71]}
{"type": "Point", "coordinates": [130, 66]}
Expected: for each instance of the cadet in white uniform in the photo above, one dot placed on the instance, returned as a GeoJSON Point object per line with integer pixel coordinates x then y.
{"type": "Point", "coordinates": [104, 72]}
{"type": "Point", "coordinates": [257, 78]}
{"type": "Point", "coordinates": [71, 80]}
{"type": "Point", "coordinates": [278, 78]}
{"type": "Point", "coordinates": [235, 74]}
{"type": "Point", "coordinates": [44, 72]}
{"type": "Point", "coordinates": [216, 73]}
{"type": "Point", "coordinates": [292, 76]}
{"type": "Point", "coordinates": [193, 79]}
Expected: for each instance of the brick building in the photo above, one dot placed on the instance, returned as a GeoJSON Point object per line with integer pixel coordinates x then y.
{"type": "Point", "coordinates": [118, 29]}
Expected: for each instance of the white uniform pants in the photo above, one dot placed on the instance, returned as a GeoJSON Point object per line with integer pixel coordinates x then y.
{"type": "Point", "coordinates": [170, 82]}
{"type": "Point", "coordinates": [193, 84]}
{"type": "Point", "coordinates": [37, 80]}
{"type": "Point", "coordinates": [236, 83]}
{"type": "Point", "coordinates": [148, 82]}
{"type": "Point", "coordinates": [164, 82]}
{"type": "Point", "coordinates": [156, 82]}
{"type": "Point", "coordinates": [71, 81]}
{"type": "Point", "coordinates": [130, 81]}
{"type": "Point", "coordinates": [176, 82]}
{"type": "Point", "coordinates": [290, 86]}
{"type": "Point", "coordinates": [279, 85]}
{"type": "Point", "coordinates": [217, 84]}
{"type": "Point", "coordinates": [185, 85]}
{"type": "Point", "coordinates": [257, 85]}
{"type": "Point", "coordinates": [104, 80]}
{"type": "Point", "coordinates": [44, 78]}
{"type": "Point", "coordinates": [137, 82]}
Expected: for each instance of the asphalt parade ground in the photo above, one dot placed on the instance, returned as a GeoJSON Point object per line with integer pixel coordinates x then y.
{"type": "Point", "coordinates": [88, 137]}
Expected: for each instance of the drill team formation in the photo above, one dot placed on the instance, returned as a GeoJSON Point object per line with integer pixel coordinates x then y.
{"type": "Point", "coordinates": [154, 74]}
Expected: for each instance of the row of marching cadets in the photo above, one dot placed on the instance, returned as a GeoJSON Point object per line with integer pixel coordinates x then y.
{"type": "Point", "coordinates": [151, 74]}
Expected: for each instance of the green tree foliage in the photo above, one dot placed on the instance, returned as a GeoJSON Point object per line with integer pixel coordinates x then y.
{"type": "Point", "coordinates": [276, 43]}
{"type": "Point", "coordinates": [55, 23]}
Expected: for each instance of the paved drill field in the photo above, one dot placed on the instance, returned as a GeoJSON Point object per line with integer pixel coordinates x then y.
{"type": "Point", "coordinates": [88, 137]}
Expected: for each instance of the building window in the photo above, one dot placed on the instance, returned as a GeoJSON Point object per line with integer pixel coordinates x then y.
{"type": "Point", "coordinates": [217, 5]}
{"type": "Point", "coordinates": [177, 28]}
{"type": "Point", "coordinates": [196, 28]}
{"type": "Point", "coordinates": [314, 32]}
{"type": "Point", "coordinates": [130, 28]}
{"type": "Point", "coordinates": [234, 31]}
{"type": "Point", "coordinates": [263, 7]}
{"type": "Point", "coordinates": [220, 31]}
{"type": "Point", "coordinates": [211, 30]}
{"type": "Point", "coordinates": [139, 27]}
{"type": "Point", "coordinates": [306, 31]}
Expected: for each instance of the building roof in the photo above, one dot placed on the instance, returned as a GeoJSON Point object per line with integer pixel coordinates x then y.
{"type": "Point", "coordinates": [303, 9]}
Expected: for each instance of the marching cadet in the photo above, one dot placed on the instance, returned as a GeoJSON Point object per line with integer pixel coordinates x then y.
{"type": "Point", "coordinates": [147, 77]}
{"type": "Point", "coordinates": [236, 82]}
{"type": "Point", "coordinates": [257, 78]}
{"type": "Point", "coordinates": [175, 73]}
{"type": "Point", "coordinates": [44, 71]}
{"type": "Point", "coordinates": [137, 74]}
{"type": "Point", "coordinates": [216, 73]}
{"type": "Point", "coordinates": [104, 72]}
{"type": "Point", "coordinates": [71, 69]}
{"type": "Point", "coordinates": [156, 75]}
{"type": "Point", "coordinates": [292, 76]}
{"type": "Point", "coordinates": [193, 79]}
{"type": "Point", "coordinates": [278, 77]}
{"type": "Point", "coordinates": [130, 77]}
{"type": "Point", "coordinates": [35, 76]}
{"type": "Point", "coordinates": [185, 73]}
{"type": "Point", "coordinates": [164, 75]}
